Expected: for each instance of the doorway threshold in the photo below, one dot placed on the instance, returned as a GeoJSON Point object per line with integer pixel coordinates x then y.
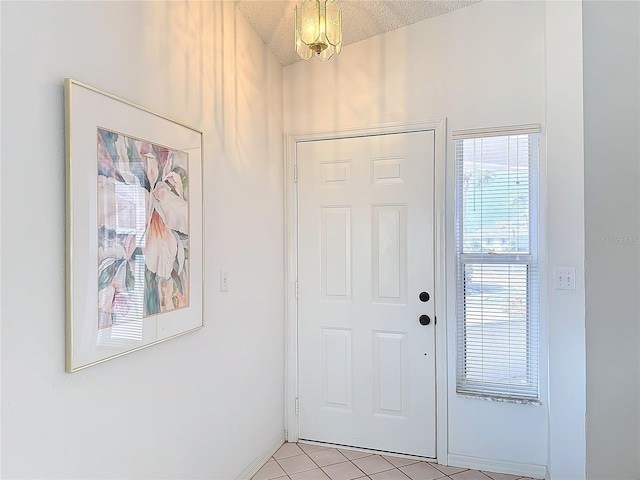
{"type": "Point", "coordinates": [367, 450]}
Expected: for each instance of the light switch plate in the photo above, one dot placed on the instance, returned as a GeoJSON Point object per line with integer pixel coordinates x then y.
{"type": "Point", "coordinates": [565, 278]}
{"type": "Point", "coordinates": [224, 281]}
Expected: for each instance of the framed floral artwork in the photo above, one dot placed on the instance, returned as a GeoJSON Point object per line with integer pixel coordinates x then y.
{"type": "Point", "coordinates": [134, 227]}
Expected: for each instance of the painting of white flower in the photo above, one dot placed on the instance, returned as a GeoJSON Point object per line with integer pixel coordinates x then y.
{"type": "Point", "coordinates": [143, 228]}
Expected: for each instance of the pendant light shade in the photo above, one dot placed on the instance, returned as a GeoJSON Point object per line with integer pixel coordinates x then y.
{"type": "Point", "coordinates": [318, 29]}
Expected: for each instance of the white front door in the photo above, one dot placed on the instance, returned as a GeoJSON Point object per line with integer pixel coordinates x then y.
{"type": "Point", "coordinates": [365, 255]}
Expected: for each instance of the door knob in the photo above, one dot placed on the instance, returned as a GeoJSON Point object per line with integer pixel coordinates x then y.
{"type": "Point", "coordinates": [425, 320]}
{"type": "Point", "coordinates": [424, 297]}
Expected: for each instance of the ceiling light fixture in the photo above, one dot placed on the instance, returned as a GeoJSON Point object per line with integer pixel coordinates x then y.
{"type": "Point", "coordinates": [318, 25]}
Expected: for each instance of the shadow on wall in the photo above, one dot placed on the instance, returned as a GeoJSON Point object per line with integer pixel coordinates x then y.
{"type": "Point", "coordinates": [367, 84]}
{"type": "Point", "coordinates": [181, 27]}
{"type": "Point", "coordinates": [243, 80]}
{"type": "Point", "coordinates": [222, 67]}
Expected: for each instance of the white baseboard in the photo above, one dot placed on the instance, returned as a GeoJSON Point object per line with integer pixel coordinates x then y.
{"type": "Point", "coordinates": [498, 466]}
{"type": "Point", "coordinates": [252, 469]}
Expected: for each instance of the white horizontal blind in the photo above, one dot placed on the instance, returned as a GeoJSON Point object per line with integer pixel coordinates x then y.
{"type": "Point", "coordinates": [497, 264]}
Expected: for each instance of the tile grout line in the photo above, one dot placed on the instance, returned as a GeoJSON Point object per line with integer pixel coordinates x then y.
{"type": "Point", "coordinates": [315, 463]}
{"type": "Point", "coordinates": [365, 475]}
{"type": "Point", "coordinates": [348, 460]}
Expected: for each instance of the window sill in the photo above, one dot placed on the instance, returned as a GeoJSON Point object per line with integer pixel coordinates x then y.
{"type": "Point", "coordinates": [491, 398]}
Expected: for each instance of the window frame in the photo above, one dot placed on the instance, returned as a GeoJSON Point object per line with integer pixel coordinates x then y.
{"type": "Point", "coordinates": [501, 391]}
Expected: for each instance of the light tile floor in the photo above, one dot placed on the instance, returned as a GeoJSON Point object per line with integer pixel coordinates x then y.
{"type": "Point", "coordinates": [298, 461]}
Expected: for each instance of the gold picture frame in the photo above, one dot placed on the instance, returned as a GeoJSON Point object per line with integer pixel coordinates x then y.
{"type": "Point", "coordinates": [134, 223]}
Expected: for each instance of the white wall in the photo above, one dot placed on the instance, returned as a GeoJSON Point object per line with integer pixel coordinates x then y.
{"type": "Point", "coordinates": [565, 238]}
{"type": "Point", "coordinates": [612, 196]}
{"type": "Point", "coordinates": [205, 405]}
{"type": "Point", "coordinates": [479, 66]}
{"type": "Point", "coordinates": [0, 246]}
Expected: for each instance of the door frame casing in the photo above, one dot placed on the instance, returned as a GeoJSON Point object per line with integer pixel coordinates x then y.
{"type": "Point", "coordinates": [291, 420]}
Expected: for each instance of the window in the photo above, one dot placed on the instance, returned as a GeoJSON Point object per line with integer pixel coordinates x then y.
{"type": "Point", "coordinates": [497, 263]}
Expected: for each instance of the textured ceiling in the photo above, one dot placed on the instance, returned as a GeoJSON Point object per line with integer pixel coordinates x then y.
{"type": "Point", "coordinates": [273, 19]}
